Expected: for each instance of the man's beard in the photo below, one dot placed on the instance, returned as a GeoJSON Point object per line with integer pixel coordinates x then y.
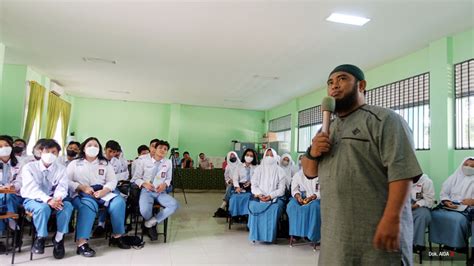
{"type": "Point", "coordinates": [345, 104]}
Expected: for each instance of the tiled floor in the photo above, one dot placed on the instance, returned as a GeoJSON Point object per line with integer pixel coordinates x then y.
{"type": "Point", "coordinates": [194, 237]}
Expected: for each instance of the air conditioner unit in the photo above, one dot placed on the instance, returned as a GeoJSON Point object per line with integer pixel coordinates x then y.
{"type": "Point", "coordinates": [56, 89]}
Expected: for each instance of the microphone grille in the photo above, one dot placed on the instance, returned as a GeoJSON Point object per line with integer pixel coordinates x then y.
{"type": "Point", "coordinates": [328, 104]}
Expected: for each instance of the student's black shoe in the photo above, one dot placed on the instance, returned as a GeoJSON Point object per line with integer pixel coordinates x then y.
{"type": "Point", "coordinates": [3, 248]}
{"type": "Point", "coordinates": [38, 245]}
{"type": "Point", "coordinates": [58, 251]}
{"type": "Point", "coordinates": [220, 213]}
{"type": "Point", "coordinates": [118, 242]}
{"type": "Point", "coordinates": [152, 233]}
{"type": "Point", "coordinates": [128, 228]}
{"type": "Point", "coordinates": [98, 232]}
{"type": "Point", "coordinates": [85, 251]}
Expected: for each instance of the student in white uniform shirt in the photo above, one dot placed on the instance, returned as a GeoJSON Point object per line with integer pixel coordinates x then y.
{"type": "Point", "coordinates": [19, 148]}
{"type": "Point", "coordinates": [145, 163]}
{"type": "Point", "coordinates": [288, 165]}
{"type": "Point", "coordinates": [422, 199]}
{"type": "Point", "coordinates": [92, 180]}
{"type": "Point", "coordinates": [9, 179]}
{"type": "Point", "coordinates": [268, 188]}
{"type": "Point", "coordinates": [143, 152]}
{"type": "Point", "coordinates": [153, 190]}
{"type": "Point", "coordinates": [233, 165]}
{"type": "Point", "coordinates": [123, 168]}
{"type": "Point", "coordinates": [450, 226]}
{"type": "Point", "coordinates": [241, 180]}
{"type": "Point", "coordinates": [45, 186]}
{"type": "Point", "coordinates": [72, 150]}
{"type": "Point", "coordinates": [110, 151]}
{"type": "Point", "coordinates": [303, 210]}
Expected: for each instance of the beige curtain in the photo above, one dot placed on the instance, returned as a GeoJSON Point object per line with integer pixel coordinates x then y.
{"type": "Point", "coordinates": [35, 108]}
{"type": "Point", "coordinates": [52, 116]}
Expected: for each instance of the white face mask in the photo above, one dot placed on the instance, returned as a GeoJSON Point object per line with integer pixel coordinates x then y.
{"type": "Point", "coordinates": [285, 163]}
{"type": "Point", "coordinates": [92, 151]}
{"type": "Point", "coordinates": [48, 158]}
{"type": "Point", "coordinates": [269, 160]}
{"type": "Point", "coordinates": [467, 170]}
{"type": "Point", "coordinates": [5, 151]}
{"type": "Point", "coordinates": [144, 156]}
{"type": "Point", "coordinates": [248, 159]}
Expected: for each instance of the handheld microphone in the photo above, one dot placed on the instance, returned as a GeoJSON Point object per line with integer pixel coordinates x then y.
{"type": "Point", "coordinates": [328, 105]}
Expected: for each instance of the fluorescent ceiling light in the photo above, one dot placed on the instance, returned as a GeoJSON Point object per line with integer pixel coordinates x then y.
{"type": "Point", "coordinates": [99, 60]}
{"type": "Point", "coordinates": [346, 19]}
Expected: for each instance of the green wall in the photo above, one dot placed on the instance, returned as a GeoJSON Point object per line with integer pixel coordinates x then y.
{"type": "Point", "coordinates": [191, 128]}
{"type": "Point", "coordinates": [437, 58]}
{"type": "Point", "coordinates": [12, 102]}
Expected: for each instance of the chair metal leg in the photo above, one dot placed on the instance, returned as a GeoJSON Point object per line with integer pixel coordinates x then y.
{"type": "Point", "coordinates": [165, 228]}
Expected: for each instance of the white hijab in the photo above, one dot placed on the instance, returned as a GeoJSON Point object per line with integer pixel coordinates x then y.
{"type": "Point", "coordinates": [458, 186]}
{"type": "Point", "coordinates": [269, 178]}
{"type": "Point", "coordinates": [290, 169]}
{"type": "Point", "coordinates": [231, 166]}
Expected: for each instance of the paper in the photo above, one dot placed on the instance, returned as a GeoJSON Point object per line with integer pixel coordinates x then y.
{"type": "Point", "coordinates": [107, 198]}
{"type": "Point", "coordinates": [460, 208]}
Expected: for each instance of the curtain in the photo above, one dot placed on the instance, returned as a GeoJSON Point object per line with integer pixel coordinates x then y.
{"type": "Point", "coordinates": [54, 110]}
{"type": "Point", "coordinates": [57, 109]}
{"type": "Point", "coordinates": [65, 115]}
{"type": "Point", "coordinates": [35, 109]}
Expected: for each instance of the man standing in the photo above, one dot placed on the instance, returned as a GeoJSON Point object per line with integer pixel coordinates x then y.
{"type": "Point", "coordinates": [365, 165]}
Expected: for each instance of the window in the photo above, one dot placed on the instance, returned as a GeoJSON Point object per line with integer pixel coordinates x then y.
{"type": "Point", "coordinates": [58, 134]}
{"type": "Point", "coordinates": [309, 123]}
{"type": "Point", "coordinates": [281, 126]}
{"type": "Point", "coordinates": [34, 136]}
{"type": "Point", "coordinates": [411, 99]}
{"type": "Point", "coordinates": [464, 102]}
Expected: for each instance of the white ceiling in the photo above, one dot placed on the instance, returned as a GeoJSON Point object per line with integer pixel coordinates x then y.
{"type": "Point", "coordinates": [215, 53]}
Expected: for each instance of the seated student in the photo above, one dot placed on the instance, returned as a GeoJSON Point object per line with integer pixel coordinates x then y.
{"type": "Point", "coordinates": [9, 179]}
{"type": "Point", "coordinates": [143, 152]}
{"type": "Point", "coordinates": [19, 148]}
{"type": "Point", "coordinates": [92, 180]}
{"type": "Point", "coordinates": [153, 190]}
{"type": "Point", "coordinates": [123, 166]}
{"type": "Point", "coordinates": [176, 160]}
{"type": "Point", "coordinates": [304, 208]}
{"type": "Point", "coordinates": [233, 165]}
{"type": "Point", "coordinates": [268, 186]}
{"type": "Point", "coordinates": [449, 224]}
{"type": "Point", "coordinates": [204, 162]}
{"type": "Point", "coordinates": [45, 186]}
{"type": "Point", "coordinates": [238, 202]}
{"type": "Point", "coordinates": [299, 161]}
{"type": "Point", "coordinates": [422, 199]}
{"type": "Point", "coordinates": [186, 162]}
{"type": "Point", "coordinates": [111, 150]}
{"type": "Point", "coordinates": [288, 165]}
{"type": "Point", "coordinates": [72, 150]}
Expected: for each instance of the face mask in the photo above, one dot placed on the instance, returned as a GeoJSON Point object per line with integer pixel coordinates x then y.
{"type": "Point", "coordinates": [248, 159]}
{"type": "Point", "coordinates": [269, 160]}
{"type": "Point", "coordinates": [143, 156]}
{"type": "Point", "coordinates": [71, 153]}
{"type": "Point", "coordinates": [18, 149]}
{"type": "Point", "coordinates": [92, 151]}
{"type": "Point", "coordinates": [233, 160]}
{"type": "Point", "coordinates": [5, 151]}
{"type": "Point", "coordinates": [285, 163]}
{"type": "Point", "coordinates": [467, 170]}
{"type": "Point", "coordinates": [48, 158]}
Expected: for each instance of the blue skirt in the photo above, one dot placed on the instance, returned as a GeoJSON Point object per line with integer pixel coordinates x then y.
{"type": "Point", "coordinates": [305, 220]}
{"type": "Point", "coordinates": [239, 204]}
{"type": "Point", "coordinates": [263, 220]}
{"type": "Point", "coordinates": [449, 228]}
